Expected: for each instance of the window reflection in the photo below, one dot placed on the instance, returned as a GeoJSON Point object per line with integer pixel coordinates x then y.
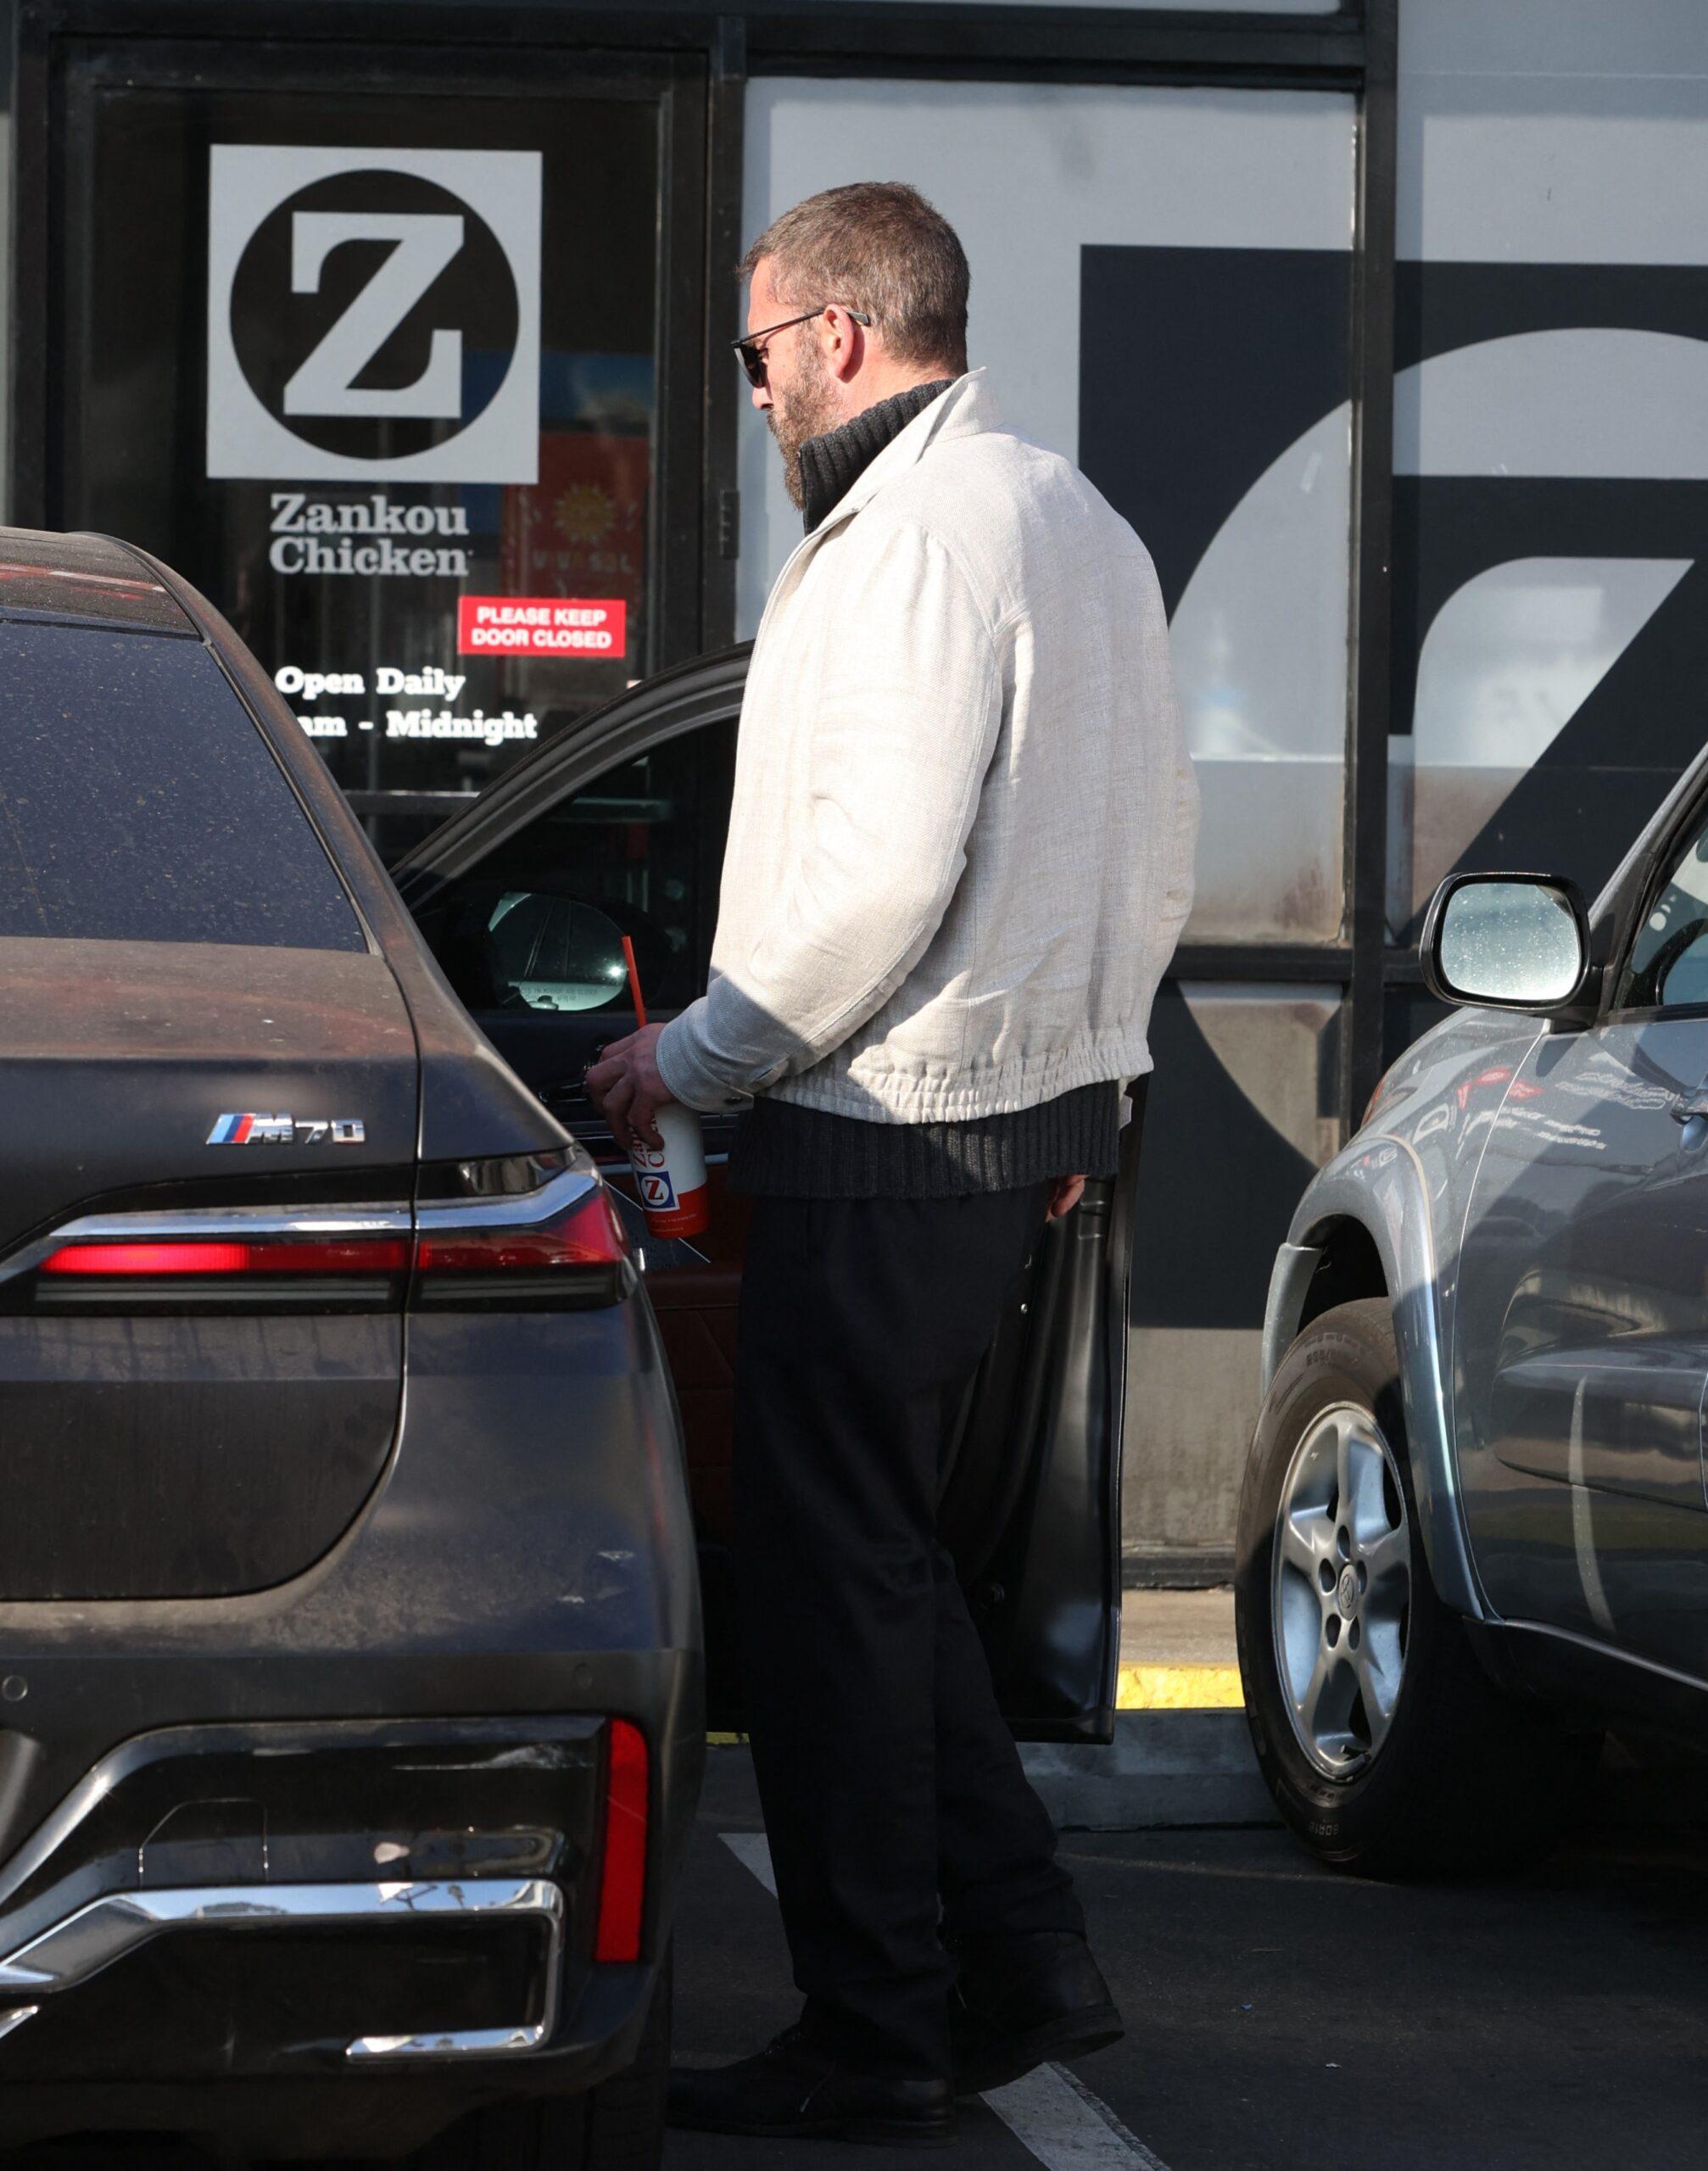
{"type": "Point", "coordinates": [537, 925]}
{"type": "Point", "coordinates": [1506, 663]}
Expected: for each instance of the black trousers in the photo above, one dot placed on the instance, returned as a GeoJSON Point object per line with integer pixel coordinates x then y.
{"type": "Point", "coordinates": [894, 1797]}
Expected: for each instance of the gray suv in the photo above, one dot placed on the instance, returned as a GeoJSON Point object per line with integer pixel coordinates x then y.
{"type": "Point", "coordinates": [1474, 1527]}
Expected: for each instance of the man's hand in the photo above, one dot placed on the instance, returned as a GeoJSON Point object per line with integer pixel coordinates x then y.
{"type": "Point", "coordinates": [626, 1087]}
{"type": "Point", "coordinates": [1065, 1196]}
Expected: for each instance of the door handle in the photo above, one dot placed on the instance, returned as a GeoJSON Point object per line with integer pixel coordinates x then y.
{"type": "Point", "coordinates": [1688, 1109]}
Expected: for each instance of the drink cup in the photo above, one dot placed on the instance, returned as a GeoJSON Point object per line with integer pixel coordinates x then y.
{"type": "Point", "coordinates": [670, 1178]}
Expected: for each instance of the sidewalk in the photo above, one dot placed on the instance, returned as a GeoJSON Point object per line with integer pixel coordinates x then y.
{"type": "Point", "coordinates": [1181, 1754]}
{"type": "Point", "coordinates": [1177, 1652]}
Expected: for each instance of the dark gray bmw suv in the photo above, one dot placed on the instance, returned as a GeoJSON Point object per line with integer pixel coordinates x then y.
{"type": "Point", "coordinates": [350, 1685]}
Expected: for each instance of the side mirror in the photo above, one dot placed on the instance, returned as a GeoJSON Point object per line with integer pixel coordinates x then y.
{"type": "Point", "coordinates": [1512, 941]}
{"type": "Point", "coordinates": [552, 953]}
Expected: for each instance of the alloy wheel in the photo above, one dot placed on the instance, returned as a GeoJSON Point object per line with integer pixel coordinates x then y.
{"type": "Point", "coordinates": [1341, 1589]}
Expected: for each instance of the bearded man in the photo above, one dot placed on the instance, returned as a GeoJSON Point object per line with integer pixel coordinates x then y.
{"type": "Point", "coordinates": [959, 856]}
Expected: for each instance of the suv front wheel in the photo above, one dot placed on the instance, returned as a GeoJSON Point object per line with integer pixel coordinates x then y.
{"type": "Point", "coordinates": [1385, 1745]}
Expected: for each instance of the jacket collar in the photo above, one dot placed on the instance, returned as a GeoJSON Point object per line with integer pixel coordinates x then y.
{"type": "Point", "coordinates": [967, 408]}
{"type": "Point", "coordinates": [831, 464]}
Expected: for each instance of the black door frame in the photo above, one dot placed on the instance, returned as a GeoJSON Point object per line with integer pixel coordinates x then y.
{"type": "Point", "coordinates": [1354, 49]}
{"type": "Point", "coordinates": [46, 441]}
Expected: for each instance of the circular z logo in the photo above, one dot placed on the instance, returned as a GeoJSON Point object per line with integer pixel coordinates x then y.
{"type": "Point", "coordinates": [373, 314]}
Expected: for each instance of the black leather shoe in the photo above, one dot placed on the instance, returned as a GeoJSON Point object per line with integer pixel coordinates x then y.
{"type": "Point", "coordinates": [795, 2091]}
{"type": "Point", "coordinates": [1019, 2000]}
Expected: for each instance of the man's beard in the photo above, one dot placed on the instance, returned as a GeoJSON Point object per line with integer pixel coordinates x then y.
{"type": "Point", "coordinates": [806, 411]}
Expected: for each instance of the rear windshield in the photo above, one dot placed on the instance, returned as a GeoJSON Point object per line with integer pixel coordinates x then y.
{"type": "Point", "coordinates": [139, 801]}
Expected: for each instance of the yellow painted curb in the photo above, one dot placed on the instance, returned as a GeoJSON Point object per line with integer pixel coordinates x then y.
{"type": "Point", "coordinates": [1143, 1688]}
{"type": "Point", "coordinates": [1179, 1689]}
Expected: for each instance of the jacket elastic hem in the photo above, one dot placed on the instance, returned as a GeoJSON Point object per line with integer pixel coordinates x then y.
{"type": "Point", "coordinates": [893, 1096]}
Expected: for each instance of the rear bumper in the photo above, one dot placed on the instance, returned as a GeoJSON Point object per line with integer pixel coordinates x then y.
{"type": "Point", "coordinates": [322, 1937]}
{"type": "Point", "coordinates": [426, 1706]}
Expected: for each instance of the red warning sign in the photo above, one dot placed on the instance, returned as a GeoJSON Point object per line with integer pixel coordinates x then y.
{"type": "Point", "coordinates": [541, 625]}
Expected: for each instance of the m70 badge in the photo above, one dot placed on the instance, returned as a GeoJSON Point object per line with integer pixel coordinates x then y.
{"type": "Point", "coordinates": [247, 1128]}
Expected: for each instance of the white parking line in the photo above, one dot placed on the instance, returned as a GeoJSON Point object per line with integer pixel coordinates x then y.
{"type": "Point", "coordinates": [752, 1849]}
{"type": "Point", "coordinates": [1065, 2126]}
{"type": "Point", "coordinates": [1050, 2112]}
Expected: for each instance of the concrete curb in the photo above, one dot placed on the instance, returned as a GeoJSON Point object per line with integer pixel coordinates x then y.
{"type": "Point", "coordinates": [1168, 1769]}
{"type": "Point", "coordinates": [1162, 1768]}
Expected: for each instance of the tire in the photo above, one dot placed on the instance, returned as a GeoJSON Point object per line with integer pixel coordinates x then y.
{"type": "Point", "coordinates": [618, 2126]}
{"type": "Point", "coordinates": [1408, 1761]}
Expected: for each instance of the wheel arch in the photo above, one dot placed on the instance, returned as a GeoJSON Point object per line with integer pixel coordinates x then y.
{"type": "Point", "coordinates": [1349, 1266]}
{"type": "Point", "coordinates": [1364, 1229]}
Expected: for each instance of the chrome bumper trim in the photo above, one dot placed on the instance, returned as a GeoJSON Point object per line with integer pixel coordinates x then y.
{"type": "Point", "coordinates": [381, 1218]}
{"type": "Point", "coordinates": [510, 1209]}
{"type": "Point", "coordinates": [104, 1930]}
{"type": "Point", "coordinates": [467, 2042]}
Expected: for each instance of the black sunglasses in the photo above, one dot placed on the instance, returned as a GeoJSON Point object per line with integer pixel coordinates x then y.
{"type": "Point", "coordinates": [751, 349]}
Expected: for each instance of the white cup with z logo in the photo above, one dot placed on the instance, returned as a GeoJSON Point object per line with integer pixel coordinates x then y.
{"type": "Point", "coordinates": [670, 1177]}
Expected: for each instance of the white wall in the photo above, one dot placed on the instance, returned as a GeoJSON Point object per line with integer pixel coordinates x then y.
{"type": "Point", "coordinates": [1554, 131]}
{"type": "Point", "coordinates": [1028, 175]}
{"type": "Point", "coordinates": [1547, 133]}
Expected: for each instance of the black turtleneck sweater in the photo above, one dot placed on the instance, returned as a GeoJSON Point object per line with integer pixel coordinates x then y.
{"type": "Point", "coordinates": [784, 1151]}
{"type": "Point", "coordinates": [832, 465]}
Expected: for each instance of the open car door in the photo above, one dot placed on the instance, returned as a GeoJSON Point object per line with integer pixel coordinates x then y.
{"type": "Point", "coordinates": [615, 826]}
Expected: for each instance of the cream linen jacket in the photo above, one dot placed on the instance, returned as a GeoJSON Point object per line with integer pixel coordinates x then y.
{"type": "Point", "coordinates": [960, 848]}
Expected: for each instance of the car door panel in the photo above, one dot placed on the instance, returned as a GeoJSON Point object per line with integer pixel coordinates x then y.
{"type": "Point", "coordinates": [1031, 1510]}
{"type": "Point", "coordinates": [1582, 1339]}
{"type": "Point", "coordinates": [1620, 1421]}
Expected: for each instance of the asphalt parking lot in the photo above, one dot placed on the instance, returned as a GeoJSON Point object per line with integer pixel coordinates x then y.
{"type": "Point", "coordinates": [1279, 2017]}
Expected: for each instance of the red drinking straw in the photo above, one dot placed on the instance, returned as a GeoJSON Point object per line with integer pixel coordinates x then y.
{"type": "Point", "coordinates": [634, 981]}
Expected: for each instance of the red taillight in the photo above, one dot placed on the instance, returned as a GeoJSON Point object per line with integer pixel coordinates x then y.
{"type": "Point", "coordinates": [589, 1235]}
{"type": "Point", "coordinates": [354, 1255]}
{"type": "Point", "coordinates": [622, 1879]}
{"type": "Point", "coordinates": [560, 1246]}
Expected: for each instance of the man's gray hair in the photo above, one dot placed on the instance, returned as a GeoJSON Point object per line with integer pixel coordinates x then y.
{"type": "Point", "coordinates": [877, 246]}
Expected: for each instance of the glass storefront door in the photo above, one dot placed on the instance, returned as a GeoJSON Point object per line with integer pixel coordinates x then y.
{"type": "Point", "coordinates": [402, 368]}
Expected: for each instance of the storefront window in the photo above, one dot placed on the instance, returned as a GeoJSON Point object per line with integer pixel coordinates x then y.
{"type": "Point", "coordinates": [1161, 287]}
{"type": "Point", "coordinates": [1240, 1114]}
{"type": "Point", "coordinates": [380, 374]}
{"type": "Point", "coordinates": [1550, 590]}
{"type": "Point", "coordinates": [1549, 505]}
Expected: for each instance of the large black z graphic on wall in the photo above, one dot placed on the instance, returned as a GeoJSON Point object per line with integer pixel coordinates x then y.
{"type": "Point", "coordinates": [1198, 368]}
{"type": "Point", "coordinates": [1550, 653]}
{"type": "Point", "coordinates": [1554, 419]}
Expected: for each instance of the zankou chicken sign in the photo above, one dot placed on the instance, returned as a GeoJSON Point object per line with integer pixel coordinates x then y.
{"type": "Point", "coordinates": [367, 536]}
{"type": "Point", "coordinates": [373, 315]}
